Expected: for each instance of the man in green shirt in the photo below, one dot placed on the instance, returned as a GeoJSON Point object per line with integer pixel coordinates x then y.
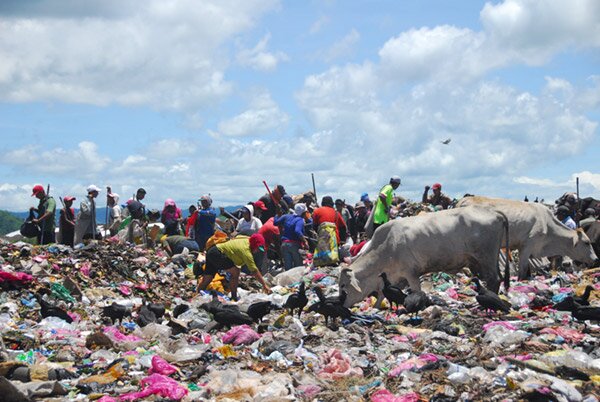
{"type": "Point", "coordinates": [45, 210]}
{"type": "Point", "coordinates": [384, 202]}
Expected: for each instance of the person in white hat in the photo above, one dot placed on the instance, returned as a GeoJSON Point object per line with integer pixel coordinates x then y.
{"type": "Point", "coordinates": [114, 212]}
{"type": "Point", "coordinates": [249, 224]}
{"type": "Point", "coordinates": [86, 226]}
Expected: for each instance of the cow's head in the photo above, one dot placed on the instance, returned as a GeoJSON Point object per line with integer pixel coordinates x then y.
{"type": "Point", "coordinates": [582, 248]}
{"type": "Point", "coordinates": [348, 283]}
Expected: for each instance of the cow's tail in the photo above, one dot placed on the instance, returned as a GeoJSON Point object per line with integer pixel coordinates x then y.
{"type": "Point", "coordinates": [507, 265]}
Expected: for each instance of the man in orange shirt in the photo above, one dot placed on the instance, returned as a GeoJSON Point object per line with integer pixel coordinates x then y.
{"type": "Point", "coordinates": [327, 213]}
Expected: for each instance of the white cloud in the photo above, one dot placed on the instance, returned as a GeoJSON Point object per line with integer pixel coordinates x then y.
{"type": "Point", "coordinates": [81, 162]}
{"type": "Point", "coordinates": [263, 116]}
{"type": "Point", "coordinates": [588, 178]}
{"type": "Point", "coordinates": [259, 58]}
{"type": "Point", "coordinates": [168, 55]}
{"type": "Point", "coordinates": [533, 30]}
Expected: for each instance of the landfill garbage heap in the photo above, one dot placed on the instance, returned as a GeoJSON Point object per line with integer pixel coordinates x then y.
{"type": "Point", "coordinates": [109, 322]}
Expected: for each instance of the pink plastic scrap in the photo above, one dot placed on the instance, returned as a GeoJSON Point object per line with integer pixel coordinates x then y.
{"type": "Point", "coordinates": [309, 391]}
{"type": "Point", "coordinates": [413, 363]}
{"type": "Point", "coordinates": [160, 366]}
{"type": "Point", "coordinates": [157, 384]}
{"type": "Point", "coordinates": [504, 324]}
{"type": "Point", "coordinates": [240, 335]}
{"type": "Point", "coordinates": [335, 364]}
{"type": "Point", "coordinates": [452, 293]}
{"type": "Point", "coordinates": [15, 277]}
{"type": "Point", "coordinates": [383, 395]}
{"type": "Point", "coordinates": [118, 336]}
{"type": "Point", "coordinates": [318, 276]}
{"type": "Point", "coordinates": [524, 289]}
{"type": "Point", "coordinates": [85, 268]}
{"type": "Point", "coordinates": [125, 290]}
{"type": "Point", "coordinates": [566, 333]}
{"type": "Point", "coordinates": [107, 398]}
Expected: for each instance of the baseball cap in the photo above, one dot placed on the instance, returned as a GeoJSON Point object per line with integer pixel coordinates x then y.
{"type": "Point", "coordinates": [563, 209]}
{"type": "Point", "coordinates": [436, 186]}
{"type": "Point", "coordinates": [256, 241]}
{"type": "Point", "coordinates": [69, 198]}
{"type": "Point", "coordinates": [38, 188]}
{"type": "Point", "coordinates": [395, 179]}
{"type": "Point", "coordinates": [299, 209]}
{"type": "Point", "coordinates": [360, 204]}
{"type": "Point", "coordinates": [93, 187]}
{"type": "Point", "coordinates": [260, 205]}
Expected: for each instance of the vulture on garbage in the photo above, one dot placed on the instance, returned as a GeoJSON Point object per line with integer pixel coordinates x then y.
{"type": "Point", "coordinates": [116, 312]}
{"type": "Point", "coordinates": [490, 300]}
{"type": "Point", "coordinates": [48, 310]}
{"type": "Point", "coordinates": [393, 294]}
{"type": "Point", "coordinates": [297, 300]}
{"type": "Point", "coordinates": [416, 301]}
{"type": "Point", "coordinates": [331, 306]}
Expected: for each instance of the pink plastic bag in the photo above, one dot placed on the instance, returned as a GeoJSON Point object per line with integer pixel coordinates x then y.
{"type": "Point", "coordinates": [571, 335]}
{"type": "Point", "coordinates": [107, 398]}
{"type": "Point", "coordinates": [240, 335]}
{"type": "Point", "coordinates": [157, 384]}
{"type": "Point", "coordinates": [160, 366]}
{"type": "Point", "coordinates": [383, 395]}
{"type": "Point", "coordinates": [125, 290]}
{"type": "Point", "coordinates": [335, 364]}
{"type": "Point", "coordinates": [452, 293]}
{"type": "Point", "coordinates": [413, 363]}
{"type": "Point", "coordinates": [15, 277]}
{"type": "Point", "coordinates": [85, 268]}
{"type": "Point", "coordinates": [116, 335]}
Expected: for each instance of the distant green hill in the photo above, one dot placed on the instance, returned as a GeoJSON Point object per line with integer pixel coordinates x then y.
{"type": "Point", "coordinates": [9, 222]}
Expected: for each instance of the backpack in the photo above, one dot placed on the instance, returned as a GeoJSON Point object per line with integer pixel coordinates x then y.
{"type": "Point", "coordinates": [28, 228]}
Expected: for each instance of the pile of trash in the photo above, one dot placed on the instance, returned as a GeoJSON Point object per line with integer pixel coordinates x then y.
{"type": "Point", "coordinates": [109, 322]}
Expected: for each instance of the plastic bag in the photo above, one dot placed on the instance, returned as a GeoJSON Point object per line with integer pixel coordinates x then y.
{"type": "Point", "coordinates": [336, 364]}
{"type": "Point", "coordinates": [157, 384]}
{"type": "Point", "coordinates": [383, 395]}
{"type": "Point", "coordinates": [240, 335]}
{"type": "Point", "coordinates": [160, 366]}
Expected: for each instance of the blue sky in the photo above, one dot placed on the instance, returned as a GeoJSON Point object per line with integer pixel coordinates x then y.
{"type": "Point", "coordinates": [186, 98]}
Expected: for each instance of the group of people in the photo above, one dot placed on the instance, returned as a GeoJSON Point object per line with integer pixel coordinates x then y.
{"type": "Point", "coordinates": [276, 226]}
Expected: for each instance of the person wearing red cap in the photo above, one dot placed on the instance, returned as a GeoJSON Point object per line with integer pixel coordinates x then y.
{"type": "Point", "coordinates": [66, 222]}
{"type": "Point", "coordinates": [230, 256]}
{"type": "Point", "coordinates": [437, 199]}
{"type": "Point", "coordinates": [45, 210]}
{"type": "Point", "coordinates": [259, 208]}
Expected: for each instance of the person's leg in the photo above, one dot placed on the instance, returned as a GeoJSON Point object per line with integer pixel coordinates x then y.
{"type": "Point", "coordinates": [286, 254]}
{"type": "Point", "coordinates": [296, 257]}
{"type": "Point", "coordinates": [233, 283]}
{"type": "Point", "coordinates": [205, 281]}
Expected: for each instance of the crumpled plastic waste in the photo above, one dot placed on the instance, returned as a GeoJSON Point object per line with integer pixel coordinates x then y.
{"type": "Point", "coordinates": [241, 335]}
{"type": "Point", "coordinates": [157, 384]}
{"type": "Point", "coordinates": [12, 277]}
{"type": "Point", "coordinates": [383, 395]}
{"type": "Point", "coordinates": [335, 365]}
{"type": "Point", "coordinates": [160, 366]}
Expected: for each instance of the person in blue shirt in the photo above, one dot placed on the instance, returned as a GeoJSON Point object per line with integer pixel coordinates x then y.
{"type": "Point", "coordinates": [292, 235]}
{"type": "Point", "coordinates": [201, 225]}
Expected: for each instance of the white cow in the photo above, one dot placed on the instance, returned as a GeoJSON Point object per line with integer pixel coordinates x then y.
{"type": "Point", "coordinates": [536, 232]}
{"type": "Point", "coordinates": [444, 241]}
